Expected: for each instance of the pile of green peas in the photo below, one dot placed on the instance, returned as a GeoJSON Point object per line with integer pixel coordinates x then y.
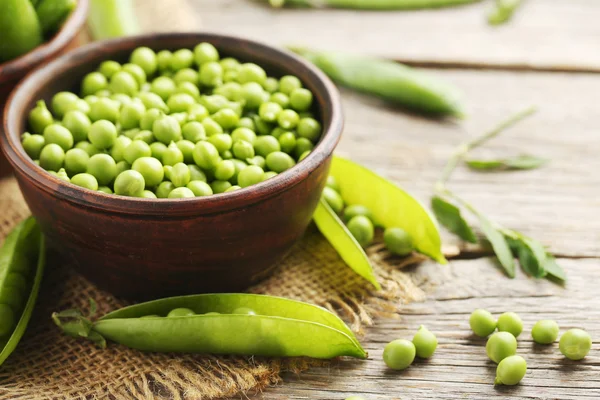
{"type": "Point", "coordinates": [399, 354]}
{"type": "Point", "coordinates": [359, 221]}
{"type": "Point", "coordinates": [174, 125]}
{"type": "Point", "coordinates": [501, 346]}
{"type": "Point", "coordinates": [186, 312]}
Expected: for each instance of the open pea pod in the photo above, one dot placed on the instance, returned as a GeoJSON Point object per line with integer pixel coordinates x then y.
{"type": "Point", "coordinates": [391, 206]}
{"type": "Point", "coordinates": [22, 259]}
{"type": "Point", "coordinates": [281, 327]}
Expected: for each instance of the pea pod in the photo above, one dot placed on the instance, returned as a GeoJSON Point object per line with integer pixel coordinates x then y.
{"type": "Point", "coordinates": [112, 18]}
{"type": "Point", "coordinates": [391, 206]}
{"type": "Point", "coordinates": [22, 259]}
{"type": "Point", "coordinates": [20, 30]}
{"type": "Point", "coordinates": [52, 13]}
{"type": "Point", "coordinates": [282, 327]}
{"type": "Point", "coordinates": [373, 4]}
{"type": "Point", "coordinates": [389, 80]}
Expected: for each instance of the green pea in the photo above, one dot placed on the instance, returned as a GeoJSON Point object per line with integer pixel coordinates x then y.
{"type": "Point", "coordinates": [180, 175]}
{"type": "Point", "coordinates": [118, 148]}
{"type": "Point", "coordinates": [180, 102]}
{"type": "Point", "coordinates": [33, 146]}
{"type": "Point", "coordinates": [211, 127]}
{"type": "Point", "coordinates": [147, 194]}
{"type": "Point", "coordinates": [225, 170]}
{"type": "Point", "coordinates": [105, 189]}
{"type": "Point", "coordinates": [511, 371]}
{"type": "Point", "coordinates": [137, 149]}
{"type": "Point", "coordinates": [244, 311]}
{"type": "Point", "coordinates": [334, 199]}
{"type": "Point", "coordinates": [220, 186]}
{"type": "Point", "coordinates": [164, 189]}
{"type": "Point", "coordinates": [151, 169]}
{"type": "Point", "coordinates": [302, 146]}
{"type": "Point", "coordinates": [173, 155]}
{"type": "Point", "coordinates": [183, 58]}
{"type": "Point", "coordinates": [575, 344]}
{"type": "Point", "coordinates": [425, 342]}
{"type": "Point", "coordinates": [271, 85]}
{"type": "Point", "coordinates": [250, 72]}
{"type": "Point", "coordinates": [103, 134]}
{"type": "Point", "coordinates": [86, 181]}
{"type": "Point", "coordinates": [145, 58]}
{"type": "Point", "coordinates": [230, 90]}
{"type": "Point", "coordinates": [130, 183]}
{"type": "Point", "coordinates": [200, 188]}
{"type": "Point", "coordinates": [399, 354]}
{"type": "Point", "coordinates": [510, 322]}
{"type": "Point", "coordinates": [254, 95]}
{"type": "Point", "coordinates": [545, 331]}
{"type": "Point", "coordinates": [398, 241]}
{"type": "Point", "coordinates": [221, 141]}
{"type": "Point", "coordinates": [269, 111]}
{"type": "Point", "coordinates": [269, 175]}
{"type": "Point", "coordinates": [166, 129]}
{"type": "Point", "coordinates": [227, 118]}
{"type": "Point", "coordinates": [204, 53]}
{"type": "Point", "coordinates": [181, 193]}
{"type": "Point", "coordinates": [243, 149]}
{"type": "Point", "coordinates": [239, 166]}
{"type": "Point", "coordinates": [123, 82]}
{"type": "Point", "coordinates": [194, 132]}
{"type": "Point", "coordinates": [189, 89]}
{"type": "Point", "coordinates": [287, 142]}
{"type": "Point", "coordinates": [16, 280]}
{"type": "Point", "coordinates": [304, 155]}
{"type": "Point", "coordinates": [40, 117]}
{"type": "Point", "coordinates": [109, 68]}
{"type": "Point", "coordinates": [149, 117]}
{"type": "Point", "coordinates": [145, 136]}
{"type": "Point", "coordinates": [279, 161]}
{"type": "Point", "coordinates": [265, 145]}
{"type": "Point", "coordinates": [362, 229]}
{"type": "Point", "coordinates": [309, 128]}
{"type": "Point", "coordinates": [181, 312]}
{"type": "Point", "coordinates": [152, 100]}
{"type": "Point", "coordinates": [106, 109]}
{"type": "Point", "coordinates": [333, 183]}
{"type": "Point", "coordinates": [187, 149]}
{"type": "Point", "coordinates": [206, 155]}
{"type": "Point", "coordinates": [12, 297]}
{"type": "Point", "coordinates": [7, 320]}
{"type": "Point", "coordinates": [281, 99]}
{"type": "Point", "coordinates": [164, 87]}
{"type": "Point", "coordinates": [157, 150]}
{"type": "Point", "coordinates": [211, 74]}
{"type": "Point", "coordinates": [356, 210]}
{"type": "Point", "coordinates": [52, 157]}
{"type": "Point", "coordinates": [289, 83]}
{"type": "Point", "coordinates": [196, 174]}
{"type": "Point", "coordinates": [137, 72]}
{"type": "Point", "coordinates": [229, 63]}
{"type": "Point", "coordinates": [78, 124]}
{"type": "Point", "coordinates": [288, 119]}
{"type": "Point", "coordinates": [301, 99]}
{"type": "Point", "coordinates": [197, 112]}
{"type": "Point", "coordinates": [482, 322]}
{"type": "Point", "coordinates": [88, 148]}
{"type": "Point", "coordinates": [244, 134]}
{"type": "Point", "coordinates": [501, 345]}
{"type": "Point", "coordinates": [131, 115]}
{"type": "Point", "coordinates": [62, 174]}
{"type": "Point", "coordinates": [62, 102]}
{"type": "Point", "coordinates": [103, 167]}
{"type": "Point", "coordinates": [123, 166]}
{"type": "Point", "coordinates": [59, 135]}
{"type": "Point", "coordinates": [163, 60]}
{"type": "Point", "coordinates": [186, 75]}
{"type": "Point", "coordinates": [250, 175]}
{"type": "Point", "coordinates": [257, 160]}
{"type": "Point", "coordinates": [247, 123]}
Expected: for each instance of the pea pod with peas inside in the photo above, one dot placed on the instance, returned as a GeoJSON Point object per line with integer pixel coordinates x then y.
{"type": "Point", "coordinates": [22, 259]}
{"type": "Point", "coordinates": [242, 324]}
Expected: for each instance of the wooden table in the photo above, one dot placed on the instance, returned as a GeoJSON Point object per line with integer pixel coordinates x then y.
{"type": "Point", "coordinates": [544, 57]}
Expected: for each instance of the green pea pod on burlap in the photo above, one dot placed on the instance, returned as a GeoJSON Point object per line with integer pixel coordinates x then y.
{"type": "Point", "coordinates": [22, 259]}
{"type": "Point", "coordinates": [280, 328]}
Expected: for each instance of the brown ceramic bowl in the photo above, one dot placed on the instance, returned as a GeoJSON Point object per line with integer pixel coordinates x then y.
{"type": "Point", "coordinates": [12, 71]}
{"type": "Point", "coordinates": [148, 248]}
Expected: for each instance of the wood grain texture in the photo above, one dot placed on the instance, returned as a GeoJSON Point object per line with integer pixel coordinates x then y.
{"type": "Point", "coordinates": [544, 34]}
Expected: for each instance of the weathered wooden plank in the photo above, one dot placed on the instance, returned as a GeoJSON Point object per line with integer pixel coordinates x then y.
{"type": "Point", "coordinates": [460, 368]}
{"type": "Point", "coordinates": [544, 34]}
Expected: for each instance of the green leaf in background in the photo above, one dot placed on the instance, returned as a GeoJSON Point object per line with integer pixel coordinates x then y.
{"type": "Point", "coordinates": [343, 242]}
{"type": "Point", "coordinates": [503, 11]}
{"type": "Point", "coordinates": [450, 216]}
{"type": "Point", "coordinates": [553, 269]}
{"type": "Point", "coordinates": [112, 18]}
{"type": "Point", "coordinates": [391, 206]}
{"type": "Point", "coordinates": [500, 246]}
{"type": "Point", "coordinates": [522, 162]}
{"type": "Point", "coordinates": [532, 257]}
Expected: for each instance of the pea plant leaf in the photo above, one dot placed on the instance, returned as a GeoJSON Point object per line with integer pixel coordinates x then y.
{"type": "Point", "coordinates": [450, 216]}
{"type": "Point", "coordinates": [553, 269]}
{"type": "Point", "coordinates": [500, 246]}
{"type": "Point", "coordinates": [521, 162]}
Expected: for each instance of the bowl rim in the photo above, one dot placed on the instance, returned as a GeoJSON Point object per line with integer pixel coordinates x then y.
{"type": "Point", "coordinates": [21, 162]}
{"type": "Point", "coordinates": [14, 69]}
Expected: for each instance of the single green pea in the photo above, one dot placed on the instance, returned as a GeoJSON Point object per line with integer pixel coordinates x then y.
{"type": "Point", "coordinates": [164, 87]}
{"type": "Point", "coordinates": [227, 155]}
{"type": "Point", "coordinates": [333, 183]}
{"type": "Point", "coordinates": [58, 134]}
{"type": "Point", "coordinates": [289, 83]}
{"type": "Point", "coordinates": [247, 123]}
{"type": "Point", "coordinates": [206, 155]}
{"type": "Point", "coordinates": [145, 136]}
{"type": "Point", "coordinates": [288, 119]}
{"type": "Point", "coordinates": [271, 85]}
{"type": "Point", "coordinates": [250, 175]}
{"type": "Point", "coordinates": [91, 99]}
{"type": "Point", "coordinates": [149, 117]}
{"type": "Point", "coordinates": [239, 166]}
{"type": "Point", "coordinates": [575, 344]}
{"type": "Point", "coordinates": [147, 194]}
{"type": "Point", "coordinates": [151, 169]}
{"type": "Point", "coordinates": [109, 68]}
{"type": "Point", "coordinates": [16, 280]}
{"type": "Point", "coordinates": [123, 166]}
{"type": "Point", "coordinates": [123, 82]}
{"type": "Point", "coordinates": [157, 149]}
{"type": "Point", "coordinates": [501, 345]}
{"type": "Point", "coordinates": [106, 109]}
{"type": "Point", "coordinates": [231, 90]}
{"type": "Point", "coordinates": [130, 183]}
{"type": "Point", "coordinates": [227, 118]}
{"type": "Point", "coordinates": [287, 142]}
{"type": "Point", "coordinates": [62, 102]}
{"type": "Point", "coordinates": [211, 74]}
{"type": "Point", "coordinates": [301, 99]}
{"type": "Point", "coordinates": [250, 72]}
{"type": "Point", "coordinates": [180, 175]}
{"type": "Point", "coordinates": [220, 186]}
{"type": "Point", "coordinates": [482, 322]}
{"type": "Point", "coordinates": [269, 175]}
{"type": "Point", "coordinates": [196, 174]}
{"type": "Point", "coordinates": [152, 100]}
{"type": "Point", "coordinates": [362, 229]}
{"type": "Point", "coordinates": [221, 141]}
{"type": "Point", "coordinates": [146, 59]}
{"type": "Point", "coordinates": [211, 127]}
{"type": "Point", "coordinates": [355, 210]}
{"type": "Point", "coordinates": [167, 129]}
{"type": "Point", "coordinates": [181, 118]}
{"type": "Point", "coordinates": [510, 322]}
{"type": "Point", "coordinates": [399, 354]}
{"type": "Point", "coordinates": [282, 99]}
{"type": "Point", "coordinates": [186, 75]}
{"type": "Point", "coordinates": [229, 64]}
{"type": "Point", "coordinates": [103, 134]}
{"type": "Point", "coordinates": [7, 320]}
{"type": "Point", "coordinates": [136, 149]}
{"type": "Point", "coordinates": [181, 312]}
{"type": "Point", "coordinates": [302, 146]}
{"type": "Point", "coordinates": [545, 331]}
{"type": "Point", "coordinates": [187, 149]}
{"type": "Point", "coordinates": [334, 199]}
{"type": "Point", "coordinates": [62, 174]}
{"type": "Point", "coordinates": [137, 72]}
{"type": "Point", "coordinates": [181, 193]}
{"type": "Point", "coordinates": [244, 311]}
{"type": "Point", "coordinates": [163, 60]}
{"type": "Point", "coordinates": [398, 241]}
{"type": "Point", "coordinates": [511, 371]}
{"type": "Point", "coordinates": [164, 189]}
{"type": "Point", "coordinates": [88, 148]}
{"type": "Point", "coordinates": [254, 95]}
{"type": "Point", "coordinates": [118, 148]}
{"type": "Point", "coordinates": [230, 76]}
{"type": "Point", "coordinates": [204, 53]}
{"type": "Point", "coordinates": [12, 297]}
{"type": "Point", "coordinates": [214, 103]}
{"type": "Point", "coordinates": [78, 124]}
{"type": "Point", "coordinates": [425, 342]}
{"type": "Point", "coordinates": [242, 149]}
{"type": "Point", "coordinates": [188, 88]}
{"type": "Point", "coordinates": [200, 188]}
{"type": "Point", "coordinates": [131, 115]}
{"type": "Point", "coordinates": [258, 161]}
{"type": "Point", "coordinates": [103, 93]}
{"type": "Point", "coordinates": [40, 117]}
{"type": "Point", "coordinates": [182, 58]}
{"type": "Point", "coordinates": [304, 155]}
{"type": "Point", "coordinates": [233, 188]}
{"type": "Point", "coordinates": [269, 111]}
{"type": "Point", "coordinates": [33, 146]}
{"type": "Point", "coordinates": [79, 105]}
{"type": "Point", "coordinates": [105, 189]}
{"type": "Point", "coordinates": [309, 128]}
{"type": "Point", "coordinates": [265, 145]}
{"type": "Point", "coordinates": [86, 181]}
{"type": "Point", "coordinates": [103, 167]}
{"type": "Point", "coordinates": [194, 131]}
{"type": "Point", "coordinates": [279, 161]}
{"type": "Point", "coordinates": [225, 170]}
{"type": "Point", "coordinates": [121, 99]}
{"type": "Point", "coordinates": [167, 169]}
{"type": "Point", "coordinates": [173, 155]}
{"type": "Point", "coordinates": [180, 102]}
{"type": "Point", "coordinates": [52, 157]}
{"type": "Point", "coordinates": [244, 134]}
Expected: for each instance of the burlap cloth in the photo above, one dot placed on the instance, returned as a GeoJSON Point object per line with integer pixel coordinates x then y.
{"type": "Point", "coordinates": [50, 365]}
